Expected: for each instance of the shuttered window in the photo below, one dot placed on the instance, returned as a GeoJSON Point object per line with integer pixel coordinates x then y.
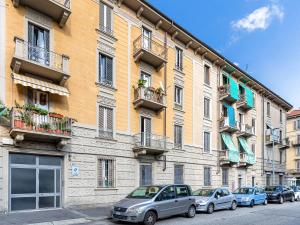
{"type": "Point", "coordinates": [206, 142]}
{"type": "Point", "coordinates": [178, 97]}
{"type": "Point", "coordinates": [178, 174]}
{"type": "Point", "coordinates": [145, 174]}
{"type": "Point", "coordinates": [297, 151]}
{"type": "Point", "coordinates": [225, 175]}
{"type": "Point", "coordinates": [106, 173]}
{"type": "Point", "coordinates": [179, 59]}
{"type": "Point", "coordinates": [105, 122]}
{"type": "Point", "coordinates": [207, 176]}
{"type": "Point", "coordinates": [106, 19]}
{"type": "Point", "coordinates": [207, 108]}
{"type": "Point", "coordinates": [177, 136]}
{"type": "Point", "coordinates": [268, 109]}
{"type": "Point", "coordinates": [105, 70]}
{"type": "Point", "coordinates": [207, 75]}
{"type": "Point", "coordinates": [253, 149]}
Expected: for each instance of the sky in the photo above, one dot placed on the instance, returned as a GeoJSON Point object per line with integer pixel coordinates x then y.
{"type": "Point", "coordinates": [261, 36]}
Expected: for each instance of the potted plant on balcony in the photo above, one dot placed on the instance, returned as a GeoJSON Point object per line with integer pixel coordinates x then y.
{"type": "Point", "coordinates": [141, 83]}
{"type": "Point", "coordinates": [159, 93]}
{"type": "Point", "coordinates": [55, 115]}
{"type": "Point", "coordinates": [27, 118]}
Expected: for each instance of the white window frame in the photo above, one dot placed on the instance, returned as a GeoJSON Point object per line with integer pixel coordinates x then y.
{"type": "Point", "coordinates": [105, 122]}
{"type": "Point", "coordinates": [143, 74]}
{"type": "Point", "coordinates": [100, 163]}
{"type": "Point", "coordinates": [209, 144]}
{"type": "Point", "coordinates": [180, 97]}
{"type": "Point", "coordinates": [227, 169]}
{"type": "Point", "coordinates": [178, 58]}
{"type": "Point", "coordinates": [210, 176]}
{"type": "Point", "coordinates": [209, 108]}
{"type": "Point", "coordinates": [152, 171]}
{"type": "Point", "coordinates": [175, 146]}
{"type": "Point", "coordinates": [38, 94]}
{"type": "Point", "coordinates": [209, 75]}
{"type": "Point", "coordinates": [104, 29]}
{"type": "Point", "coordinates": [182, 166]}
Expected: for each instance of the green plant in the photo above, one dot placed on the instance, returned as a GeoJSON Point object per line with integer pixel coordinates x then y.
{"type": "Point", "coordinates": [159, 90]}
{"type": "Point", "coordinates": [27, 118]}
{"type": "Point", "coordinates": [46, 126]}
{"type": "Point", "coordinates": [141, 83]}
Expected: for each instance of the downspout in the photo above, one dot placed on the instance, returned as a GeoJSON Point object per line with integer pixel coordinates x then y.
{"type": "Point", "coordinates": [165, 109]}
{"type": "Point", "coordinates": [218, 113]}
{"type": "Point", "coordinates": [263, 135]}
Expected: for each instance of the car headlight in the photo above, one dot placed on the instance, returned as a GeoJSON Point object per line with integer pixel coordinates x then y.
{"type": "Point", "coordinates": [135, 210]}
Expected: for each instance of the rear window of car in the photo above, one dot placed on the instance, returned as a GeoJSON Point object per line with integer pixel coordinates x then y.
{"type": "Point", "coordinates": [204, 192]}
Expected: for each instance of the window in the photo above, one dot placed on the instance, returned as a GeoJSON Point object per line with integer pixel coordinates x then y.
{"type": "Point", "coordinates": [179, 59]}
{"type": "Point", "coordinates": [254, 125]}
{"type": "Point", "coordinates": [178, 97]}
{"type": "Point", "coordinates": [38, 44]}
{"type": "Point", "coordinates": [147, 37]}
{"type": "Point", "coordinates": [38, 98]}
{"type": "Point", "coordinates": [206, 75]}
{"type": "Point", "coordinates": [269, 154]}
{"type": "Point", "coordinates": [106, 174]}
{"type": "Point", "coordinates": [145, 174]}
{"type": "Point", "coordinates": [298, 151]}
{"type": "Point", "coordinates": [297, 125]}
{"type": "Point", "coordinates": [280, 179]}
{"type": "Point", "coordinates": [253, 148]}
{"type": "Point", "coordinates": [207, 176]}
{"type": "Point", "coordinates": [281, 157]}
{"type": "Point", "coordinates": [280, 112]}
{"type": "Point", "coordinates": [147, 78]}
{"type": "Point", "coordinates": [225, 175]}
{"type": "Point", "coordinates": [145, 131]}
{"type": "Point", "coordinates": [178, 174]}
{"type": "Point", "coordinates": [206, 142]}
{"type": "Point", "coordinates": [105, 122]}
{"type": "Point", "coordinates": [177, 136]}
{"type": "Point", "coordinates": [182, 191]}
{"type": "Point", "coordinates": [106, 70]}
{"type": "Point", "coordinates": [298, 165]}
{"type": "Point", "coordinates": [106, 18]}
{"type": "Point", "coordinates": [268, 180]}
{"type": "Point", "coordinates": [253, 182]}
{"type": "Point", "coordinates": [268, 109]}
{"type": "Point", "coordinates": [240, 182]}
{"type": "Point", "coordinates": [207, 108]}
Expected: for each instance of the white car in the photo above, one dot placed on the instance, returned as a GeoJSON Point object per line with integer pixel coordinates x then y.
{"type": "Point", "coordinates": [296, 190]}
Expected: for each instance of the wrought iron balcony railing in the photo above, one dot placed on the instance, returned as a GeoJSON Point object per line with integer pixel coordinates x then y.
{"type": "Point", "coordinates": [149, 97]}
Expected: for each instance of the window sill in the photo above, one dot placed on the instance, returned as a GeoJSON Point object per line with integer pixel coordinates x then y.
{"type": "Point", "coordinates": [179, 71]}
{"type": "Point", "coordinates": [178, 109]}
{"type": "Point", "coordinates": [178, 148]}
{"type": "Point", "coordinates": [207, 86]}
{"type": "Point", "coordinates": [110, 36]}
{"type": "Point", "coordinates": [207, 153]}
{"type": "Point", "coordinates": [207, 119]}
{"type": "Point", "coordinates": [105, 189]}
{"type": "Point", "coordinates": [106, 86]}
{"type": "Point", "coordinates": [106, 139]}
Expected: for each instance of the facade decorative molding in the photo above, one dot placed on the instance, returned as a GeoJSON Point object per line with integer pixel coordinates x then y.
{"type": "Point", "coordinates": [146, 112]}
{"type": "Point", "coordinates": [38, 17]}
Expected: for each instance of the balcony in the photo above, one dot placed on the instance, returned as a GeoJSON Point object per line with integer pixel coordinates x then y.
{"type": "Point", "coordinates": [225, 94]}
{"type": "Point", "coordinates": [242, 103]}
{"type": "Point", "coordinates": [150, 98]}
{"type": "Point", "coordinates": [243, 160]}
{"type": "Point", "coordinates": [149, 51]}
{"type": "Point", "coordinates": [59, 10]}
{"type": "Point", "coordinates": [294, 171]}
{"type": "Point", "coordinates": [225, 125]}
{"type": "Point", "coordinates": [47, 127]}
{"type": "Point", "coordinates": [149, 144]}
{"type": "Point", "coordinates": [245, 130]}
{"type": "Point", "coordinates": [270, 140]}
{"type": "Point", "coordinates": [224, 158]}
{"type": "Point", "coordinates": [284, 143]}
{"type": "Point", "coordinates": [39, 61]}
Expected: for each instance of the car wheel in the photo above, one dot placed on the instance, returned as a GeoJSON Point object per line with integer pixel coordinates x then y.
{"type": "Point", "coordinates": [210, 208]}
{"type": "Point", "coordinates": [266, 202]}
{"type": "Point", "coordinates": [233, 205]}
{"type": "Point", "coordinates": [293, 198]}
{"type": "Point", "coordinates": [281, 200]}
{"type": "Point", "coordinates": [252, 203]}
{"type": "Point", "coordinates": [150, 218]}
{"type": "Point", "coordinates": [191, 212]}
{"type": "Point", "coordinates": [298, 198]}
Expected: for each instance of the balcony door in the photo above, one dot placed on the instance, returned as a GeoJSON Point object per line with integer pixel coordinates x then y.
{"type": "Point", "coordinates": [145, 131]}
{"type": "Point", "coordinates": [38, 44]}
{"type": "Point", "coordinates": [146, 37]}
{"type": "Point", "coordinates": [147, 78]}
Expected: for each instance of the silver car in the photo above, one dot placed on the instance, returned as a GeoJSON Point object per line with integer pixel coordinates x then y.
{"type": "Point", "coordinates": [209, 200]}
{"type": "Point", "coordinates": [149, 203]}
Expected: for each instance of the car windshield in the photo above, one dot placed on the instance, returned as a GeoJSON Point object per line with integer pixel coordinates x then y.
{"type": "Point", "coordinates": [270, 189]}
{"type": "Point", "coordinates": [244, 191]}
{"type": "Point", "coordinates": [145, 192]}
{"type": "Point", "coordinates": [204, 192]}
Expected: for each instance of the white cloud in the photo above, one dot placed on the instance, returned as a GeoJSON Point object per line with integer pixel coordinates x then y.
{"type": "Point", "coordinates": [260, 18]}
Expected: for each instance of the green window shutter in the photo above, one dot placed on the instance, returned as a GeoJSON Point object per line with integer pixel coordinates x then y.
{"type": "Point", "coordinates": [234, 88]}
{"type": "Point", "coordinates": [233, 152]}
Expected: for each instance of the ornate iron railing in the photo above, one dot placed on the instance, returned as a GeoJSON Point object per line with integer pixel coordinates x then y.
{"type": "Point", "coordinates": [65, 3]}
{"type": "Point", "coordinates": [149, 140]}
{"type": "Point", "coordinates": [150, 94]}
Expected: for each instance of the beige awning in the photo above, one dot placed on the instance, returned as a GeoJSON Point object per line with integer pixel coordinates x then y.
{"type": "Point", "coordinates": [40, 85]}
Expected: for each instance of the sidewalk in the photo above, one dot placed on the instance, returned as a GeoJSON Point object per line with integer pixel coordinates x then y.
{"type": "Point", "coordinates": [68, 216]}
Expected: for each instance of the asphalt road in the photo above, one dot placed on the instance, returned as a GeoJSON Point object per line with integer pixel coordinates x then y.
{"type": "Point", "coordinates": [272, 214]}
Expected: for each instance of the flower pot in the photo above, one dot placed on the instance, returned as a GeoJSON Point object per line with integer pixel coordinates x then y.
{"type": "Point", "coordinates": [18, 123]}
{"type": "Point", "coordinates": [29, 126]}
{"type": "Point", "coordinates": [40, 129]}
{"type": "Point", "coordinates": [56, 115]}
{"type": "Point", "coordinates": [58, 131]}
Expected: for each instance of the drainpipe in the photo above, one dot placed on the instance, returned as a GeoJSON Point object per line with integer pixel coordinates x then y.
{"type": "Point", "coordinates": [218, 113]}
{"type": "Point", "coordinates": [165, 110]}
{"type": "Point", "coordinates": [263, 136]}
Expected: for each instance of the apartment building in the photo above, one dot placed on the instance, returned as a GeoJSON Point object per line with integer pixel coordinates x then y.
{"type": "Point", "coordinates": [110, 95]}
{"type": "Point", "coordinates": [293, 152]}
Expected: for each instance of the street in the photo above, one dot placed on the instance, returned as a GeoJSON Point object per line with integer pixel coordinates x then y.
{"type": "Point", "coordinates": [272, 214]}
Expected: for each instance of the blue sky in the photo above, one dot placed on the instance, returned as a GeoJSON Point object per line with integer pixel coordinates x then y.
{"type": "Point", "coordinates": [263, 34]}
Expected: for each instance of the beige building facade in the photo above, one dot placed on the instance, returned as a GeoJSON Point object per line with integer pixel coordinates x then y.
{"type": "Point", "coordinates": [104, 96]}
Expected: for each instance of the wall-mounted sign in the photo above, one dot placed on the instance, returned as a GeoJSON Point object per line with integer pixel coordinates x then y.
{"type": "Point", "coordinates": [75, 170]}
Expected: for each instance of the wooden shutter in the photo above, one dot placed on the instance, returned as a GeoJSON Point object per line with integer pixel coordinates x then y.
{"type": "Point", "coordinates": [147, 124]}
{"type": "Point", "coordinates": [101, 119]}
{"type": "Point", "coordinates": [102, 25]}
{"type": "Point", "coordinates": [109, 70]}
{"type": "Point", "coordinates": [109, 121]}
{"type": "Point", "coordinates": [108, 19]}
{"type": "Point", "coordinates": [47, 48]}
{"type": "Point", "coordinates": [110, 173]}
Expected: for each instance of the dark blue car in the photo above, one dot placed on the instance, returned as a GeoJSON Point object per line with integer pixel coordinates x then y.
{"type": "Point", "coordinates": [250, 196]}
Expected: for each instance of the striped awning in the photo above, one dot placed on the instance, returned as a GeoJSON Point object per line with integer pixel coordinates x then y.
{"type": "Point", "coordinates": [40, 85]}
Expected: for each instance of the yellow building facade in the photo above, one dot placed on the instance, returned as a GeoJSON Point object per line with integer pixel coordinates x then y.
{"type": "Point", "coordinates": [104, 96]}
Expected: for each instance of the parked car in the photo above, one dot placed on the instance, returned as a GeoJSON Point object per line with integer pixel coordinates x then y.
{"type": "Point", "coordinates": [296, 190]}
{"type": "Point", "coordinates": [250, 196]}
{"type": "Point", "coordinates": [209, 200]}
{"type": "Point", "coordinates": [149, 203]}
{"type": "Point", "coordinates": [280, 194]}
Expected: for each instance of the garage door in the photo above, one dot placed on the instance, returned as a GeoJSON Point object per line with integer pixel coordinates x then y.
{"type": "Point", "coordinates": [35, 182]}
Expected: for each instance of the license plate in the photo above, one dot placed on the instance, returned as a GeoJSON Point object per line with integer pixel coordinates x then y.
{"type": "Point", "coordinates": [118, 213]}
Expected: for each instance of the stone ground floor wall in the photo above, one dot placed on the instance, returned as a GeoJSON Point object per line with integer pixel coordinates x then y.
{"type": "Point", "coordinates": [84, 150]}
